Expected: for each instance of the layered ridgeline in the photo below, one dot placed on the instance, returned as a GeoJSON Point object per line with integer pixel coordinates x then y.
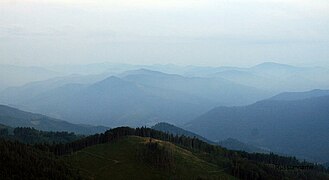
{"type": "Point", "coordinates": [282, 77]}
{"type": "Point", "coordinates": [290, 123]}
{"type": "Point", "coordinates": [143, 96]}
{"type": "Point", "coordinates": [11, 75]}
{"type": "Point", "coordinates": [16, 118]}
{"type": "Point", "coordinates": [143, 153]}
{"type": "Point", "coordinates": [276, 77]}
{"type": "Point", "coordinates": [228, 143]}
{"type": "Point", "coordinates": [171, 129]}
{"type": "Point", "coordinates": [133, 98]}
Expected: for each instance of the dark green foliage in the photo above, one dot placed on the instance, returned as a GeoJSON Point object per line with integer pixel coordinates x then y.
{"type": "Point", "coordinates": [41, 158]}
{"type": "Point", "coordinates": [326, 165]}
{"type": "Point", "coordinates": [4, 132]}
{"type": "Point", "coordinates": [239, 164]}
{"type": "Point", "coordinates": [20, 161]}
{"type": "Point", "coordinates": [33, 136]}
{"type": "Point", "coordinates": [157, 155]}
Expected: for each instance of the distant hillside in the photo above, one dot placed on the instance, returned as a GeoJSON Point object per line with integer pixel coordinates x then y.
{"type": "Point", "coordinates": [169, 128]}
{"type": "Point", "coordinates": [16, 118]}
{"type": "Point", "coordinates": [297, 127]}
{"type": "Point", "coordinates": [12, 75]}
{"type": "Point", "coordinates": [114, 102]}
{"type": "Point", "coordinates": [234, 144]}
{"type": "Point", "coordinates": [132, 98]}
{"type": "Point", "coordinates": [276, 77]}
{"type": "Point", "coordinates": [229, 143]}
{"type": "Point", "coordinates": [218, 90]}
{"type": "Point", "coordinates": [291, 96]}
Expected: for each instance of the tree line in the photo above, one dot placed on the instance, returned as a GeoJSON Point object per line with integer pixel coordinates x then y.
{"type": "Point", "coordinates": [48, 146]}
{"type": "Point", "coordinates": [239, 164]}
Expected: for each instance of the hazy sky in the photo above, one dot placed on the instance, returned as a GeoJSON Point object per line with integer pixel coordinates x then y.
{"type": "Point", "coordinates": [186, 32]}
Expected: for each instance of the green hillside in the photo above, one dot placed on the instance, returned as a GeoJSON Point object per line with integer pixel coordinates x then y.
{"type": "Point", "coordinates": [143, 153]}
{"type": "Point", "coordinates": [133, 157]}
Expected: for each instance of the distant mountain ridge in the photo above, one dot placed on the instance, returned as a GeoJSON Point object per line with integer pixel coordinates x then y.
{"type": "Point", "coordinates": [169, 128]}
{"type": "Point", "coordinates": [115, 101]}
{"type": "Point", "coordinates": [229, 143]}
{"type": "Point", "coordinates": [291, 96]}
{"type": "Point", "coordinates": [134, 98]}
{"type": "Point", "coordinates": [16, 118]}
{"type": "Point", "coordinates": [295, 127]}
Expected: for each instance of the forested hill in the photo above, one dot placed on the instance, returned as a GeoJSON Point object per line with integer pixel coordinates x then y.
{"type": "Point", "coordinates": [20, 161]}
{"type": "Point", "coordinates": [293, 127]}
{"type": "Point", "coordinates": [16, 118]}
{"type": "Point", "coordinates": [239, 164]}
{"type": "Point", "coordinates": [29, 135]}
{"type": "Point", "coordinates": [171, 129]}
{"type": "Point", "coordinates": [156, 152]}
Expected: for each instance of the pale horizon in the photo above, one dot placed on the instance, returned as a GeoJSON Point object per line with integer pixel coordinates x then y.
{"type": "Point", "coordinates": [203, 33]}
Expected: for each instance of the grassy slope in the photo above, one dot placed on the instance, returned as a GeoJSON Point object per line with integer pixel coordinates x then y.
{"type": "Point", "coordinates": [118, 160]}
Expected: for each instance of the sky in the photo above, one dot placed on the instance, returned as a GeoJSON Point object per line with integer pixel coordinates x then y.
{"type": "Point", "coordinates": [183, 32]}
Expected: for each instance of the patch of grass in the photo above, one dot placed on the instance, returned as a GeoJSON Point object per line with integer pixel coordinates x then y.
{"type": "Point", "coordinates": [119, 160]}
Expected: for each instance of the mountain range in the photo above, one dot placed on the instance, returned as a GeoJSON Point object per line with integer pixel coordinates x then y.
{"type": "Point", "coordinates": [289, 123]}
{"type": "Point", "coordinates": [137, 95]}
{"type": "Point", "coordinates": [229, 143]}
{"type": "Point", "coordinates": [134, 98]}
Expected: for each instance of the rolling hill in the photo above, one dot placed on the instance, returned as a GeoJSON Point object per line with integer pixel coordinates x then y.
{"type": "Point", "coordinates": [16, 118]}
{"type": "Point", "coordinates": [144, 153]}
{"type": "Point", "coordinates": [134, 98]}
{"type": "Point", "coordinates": [282, 77]}
{"type": "Point", "coordinates": [12, 75]}
{"type": "Point", "coordinates": [123, 159]}
{"type": "Point", "coordinates": [228, 143]}
{"type": "Point", "coordinates": [169, 128]}
{"type": "Point", "coordinates": [114, 102]}
{"type": "Point", "coordinates": [291, 96]}
{"type": "Point", "coordinates": [296, 127]}
{"type": "Point", "coordinates": [217, 90]}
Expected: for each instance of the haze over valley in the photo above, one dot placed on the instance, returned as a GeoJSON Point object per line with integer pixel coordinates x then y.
{"type": "Point", "coordinates": [164, 89]}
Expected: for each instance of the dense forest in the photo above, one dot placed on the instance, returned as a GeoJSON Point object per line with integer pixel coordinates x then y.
{"type": "Point", "coordinates": [30, 135]}
{"type": "Point", "coordinates": [21, 161]}
{"type": "Point", "coordinates": [240, 164]}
